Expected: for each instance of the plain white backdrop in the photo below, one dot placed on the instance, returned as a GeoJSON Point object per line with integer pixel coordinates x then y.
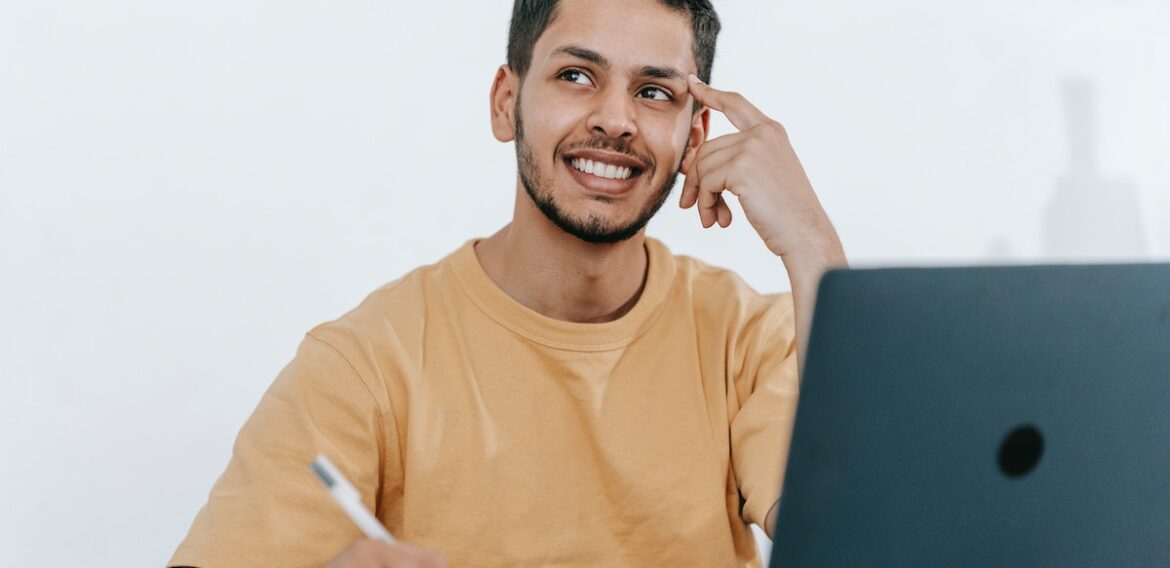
{"type": "Point", "coordinates": [186, 188]}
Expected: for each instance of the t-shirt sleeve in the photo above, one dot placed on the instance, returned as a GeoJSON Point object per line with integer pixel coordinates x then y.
{"type": "Point", "coordinates": [766, 389]}
{"type": "Point", "coordinates": [267, 508]}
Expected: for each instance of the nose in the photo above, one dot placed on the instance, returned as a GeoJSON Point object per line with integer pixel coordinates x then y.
{"type": "Point", "coordinates": [613, 116]}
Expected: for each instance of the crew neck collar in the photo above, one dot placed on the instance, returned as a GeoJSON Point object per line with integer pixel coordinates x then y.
{"type": "Point", "coordinates": [561, 334]}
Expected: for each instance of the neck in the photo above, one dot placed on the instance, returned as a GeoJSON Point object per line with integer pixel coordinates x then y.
{"type": "Point", "coordinates": [560, 276]}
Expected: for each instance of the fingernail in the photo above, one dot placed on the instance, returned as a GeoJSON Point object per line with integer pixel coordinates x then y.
{"type": "Point", "coordinates": [692, 78]}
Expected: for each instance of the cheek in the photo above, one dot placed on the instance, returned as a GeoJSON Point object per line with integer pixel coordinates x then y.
{"type": "Point", "coordinates": [668, 148]}
{"type": "Point", "coordinates": [553, 121]}
{"type": "Point", "coordinates": [682, 132]}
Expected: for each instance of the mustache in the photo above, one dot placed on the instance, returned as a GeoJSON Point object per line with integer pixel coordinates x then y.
{"type": "Point", "coordinates": [609, 145]}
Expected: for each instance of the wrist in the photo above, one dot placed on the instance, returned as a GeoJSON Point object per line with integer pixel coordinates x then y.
{"type": "Point", "coordinates": [815, 257]}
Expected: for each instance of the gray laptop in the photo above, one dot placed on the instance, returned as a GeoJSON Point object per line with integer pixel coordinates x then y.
{"type": "Point", "coordinates": [995, 416]}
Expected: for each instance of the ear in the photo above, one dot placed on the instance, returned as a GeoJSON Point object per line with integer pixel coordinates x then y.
{"type": "Point", "coordinates": [505, 89]}
{"type": "Point", "coordinates": [700, 123]}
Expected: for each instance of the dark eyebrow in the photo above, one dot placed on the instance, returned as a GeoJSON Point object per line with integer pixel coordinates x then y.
{"type": "Point", "coordinates": [600, 60]}
{"type": "Point", "coordinates": [582, 53]}
{"type": "Point", "coordinates": [660, 72]}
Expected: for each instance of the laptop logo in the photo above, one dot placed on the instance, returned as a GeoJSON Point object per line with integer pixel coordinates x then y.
{"type": "Point", "coordinates": [1020, 451]}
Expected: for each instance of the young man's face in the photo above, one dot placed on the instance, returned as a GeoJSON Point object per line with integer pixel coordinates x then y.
{"type": "Point", "coordinates": [606, 92]}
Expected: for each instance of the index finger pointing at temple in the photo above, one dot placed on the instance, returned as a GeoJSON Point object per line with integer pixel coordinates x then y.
{"type": "Point", "coordinates": [735, 107]}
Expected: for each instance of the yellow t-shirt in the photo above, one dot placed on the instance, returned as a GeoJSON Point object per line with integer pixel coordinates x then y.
{"type": "Point", "coordinates": [477, 427]}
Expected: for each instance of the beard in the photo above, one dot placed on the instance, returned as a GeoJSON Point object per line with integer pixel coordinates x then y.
{"type": "Point", "coordinates": [594, 228]}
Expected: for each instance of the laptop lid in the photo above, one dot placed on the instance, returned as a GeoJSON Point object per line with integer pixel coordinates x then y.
{"type": "Point", "coordinates": [990, 416]}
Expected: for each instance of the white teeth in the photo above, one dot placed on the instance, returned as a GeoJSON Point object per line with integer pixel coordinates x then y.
{"type": "Point", "coordinates": [600, 169]}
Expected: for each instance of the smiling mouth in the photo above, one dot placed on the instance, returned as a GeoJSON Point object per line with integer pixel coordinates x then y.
{"type": "Point", "coordinates": [603, 170]}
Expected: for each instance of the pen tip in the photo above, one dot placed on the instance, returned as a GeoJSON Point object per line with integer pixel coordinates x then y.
{"type": "Point", "coordinates": [321, 473]}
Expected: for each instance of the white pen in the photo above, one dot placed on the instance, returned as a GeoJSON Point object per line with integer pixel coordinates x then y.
{"type": "Point", "coordinates": [351, 502]}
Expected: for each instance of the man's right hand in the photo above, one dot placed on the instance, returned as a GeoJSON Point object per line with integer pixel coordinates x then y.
{"type": "Point", "coordinates": [370, 553]}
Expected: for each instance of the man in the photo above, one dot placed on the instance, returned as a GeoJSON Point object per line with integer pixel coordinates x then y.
{"type": "Point", "coordinates": [565, 392]}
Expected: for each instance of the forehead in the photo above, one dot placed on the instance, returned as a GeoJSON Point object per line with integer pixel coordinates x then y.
{"type": "Point", "coordinates": [629, 33]}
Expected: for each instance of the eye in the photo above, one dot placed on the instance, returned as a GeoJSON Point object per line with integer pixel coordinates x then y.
{"type": "Point", "coordinates": [575, 76]}
{"type": "Point", "coordinates": [662, 94]}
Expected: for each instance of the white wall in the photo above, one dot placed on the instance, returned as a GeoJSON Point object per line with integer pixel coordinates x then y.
{"type": "Point", "coordinates": [185, 188]}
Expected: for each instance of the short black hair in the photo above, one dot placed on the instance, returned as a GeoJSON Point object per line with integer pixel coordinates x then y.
{"type": "Point", "coordinates": [531, 17]}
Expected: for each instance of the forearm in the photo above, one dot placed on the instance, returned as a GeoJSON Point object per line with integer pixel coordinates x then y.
{"type": "Point", "coordinates": [805, 268]}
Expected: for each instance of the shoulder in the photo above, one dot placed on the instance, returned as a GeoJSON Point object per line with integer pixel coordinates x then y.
{"type": "Point", "coordinates": [716, 288]}
{"type": "Point", "coordinates": [755, 332]}
{"type": "Point", "coordinates": [721, 299]}
{"type": "Point", "coordinates": [393, 316]}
